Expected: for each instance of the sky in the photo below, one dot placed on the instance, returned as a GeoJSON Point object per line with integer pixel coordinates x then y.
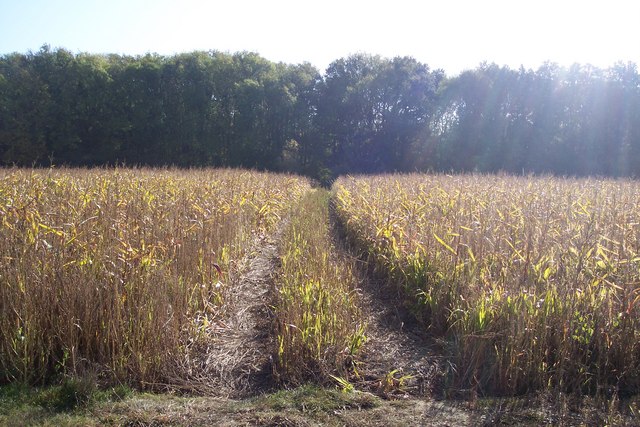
{"type": "Point", "coordinates": [453, 35]}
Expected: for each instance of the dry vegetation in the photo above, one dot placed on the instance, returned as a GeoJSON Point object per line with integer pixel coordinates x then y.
{"type": "Point", "coordinates": [119, 273]}
{"type": "Point", "coordinates": [135, 277]}
{"type": "Point", "coordinates": [319, 328]}
{"type": "Point", "coordinates": [532, 283]}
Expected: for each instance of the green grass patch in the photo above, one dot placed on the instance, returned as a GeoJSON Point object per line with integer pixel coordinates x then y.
{"type": "Point", "coordinates": [67, 403]}
{"type": "Point", "coordinates": [311, 398]}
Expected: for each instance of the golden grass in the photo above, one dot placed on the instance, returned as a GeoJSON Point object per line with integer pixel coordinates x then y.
{"type": "Point", "coordinates": [116, 271]}
{"type": "Point", "coordinates": [318, 325]}
{"type": "Point", "coordinates": [532, 282]}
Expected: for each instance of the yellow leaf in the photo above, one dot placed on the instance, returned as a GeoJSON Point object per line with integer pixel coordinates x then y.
{"type": "Point", "coordinates": [443, 243]}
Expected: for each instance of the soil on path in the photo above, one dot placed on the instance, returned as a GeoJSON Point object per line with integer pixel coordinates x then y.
{"type": "Point", "coordinates": [399, 358]}
{"type": "Point", "coordinates": [236, 362]}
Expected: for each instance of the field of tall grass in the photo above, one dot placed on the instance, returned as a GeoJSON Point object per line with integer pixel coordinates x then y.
{"type": "Point", "coordinates": [319, 327]}
{"type": "Point", "coordinates": [117, 273]}
{"type": "Point", "coordinates": [529, 282]}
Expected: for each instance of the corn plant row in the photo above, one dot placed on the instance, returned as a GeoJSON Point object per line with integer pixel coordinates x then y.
{"type": "Point", "coordinates": [318, 325]}
{"type": "Point", "coordinates": [532, 282]}
{"type": "Point", "coordinates": [118, 272]}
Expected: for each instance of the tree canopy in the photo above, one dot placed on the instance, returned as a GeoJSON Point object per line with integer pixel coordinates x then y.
{"type": "Point", "coordinates": [365, 114]}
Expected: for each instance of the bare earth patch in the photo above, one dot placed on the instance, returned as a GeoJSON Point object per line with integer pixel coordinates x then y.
{"type": "Point", "coordinates": [398, 357]}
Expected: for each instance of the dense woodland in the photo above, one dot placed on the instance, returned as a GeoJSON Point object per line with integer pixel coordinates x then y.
{"type": "Point", "coordinates": [364, 114]}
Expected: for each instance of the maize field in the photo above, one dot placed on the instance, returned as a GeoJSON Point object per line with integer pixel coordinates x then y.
{"type": "Point", "coordinates": [529, 282]}
{"type": "Point", "coordinates": [524, 283]}
{"type": "Point", "coordinates": [119, 272]}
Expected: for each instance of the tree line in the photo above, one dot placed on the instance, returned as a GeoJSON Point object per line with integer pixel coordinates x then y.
{"type": "Point", "coordinates": [364, 114]}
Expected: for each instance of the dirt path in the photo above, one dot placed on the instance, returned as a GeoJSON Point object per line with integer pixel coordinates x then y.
{"type": "Point", "coordinates": [397, 350]}
{"type": "Point", "coordinates": [236, 362]}
{"type": "Point", "coordinates": [398, 357]}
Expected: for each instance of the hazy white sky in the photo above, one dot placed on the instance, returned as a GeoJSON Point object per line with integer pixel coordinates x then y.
{"type": "Point", "coordinates": [449, 34]}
